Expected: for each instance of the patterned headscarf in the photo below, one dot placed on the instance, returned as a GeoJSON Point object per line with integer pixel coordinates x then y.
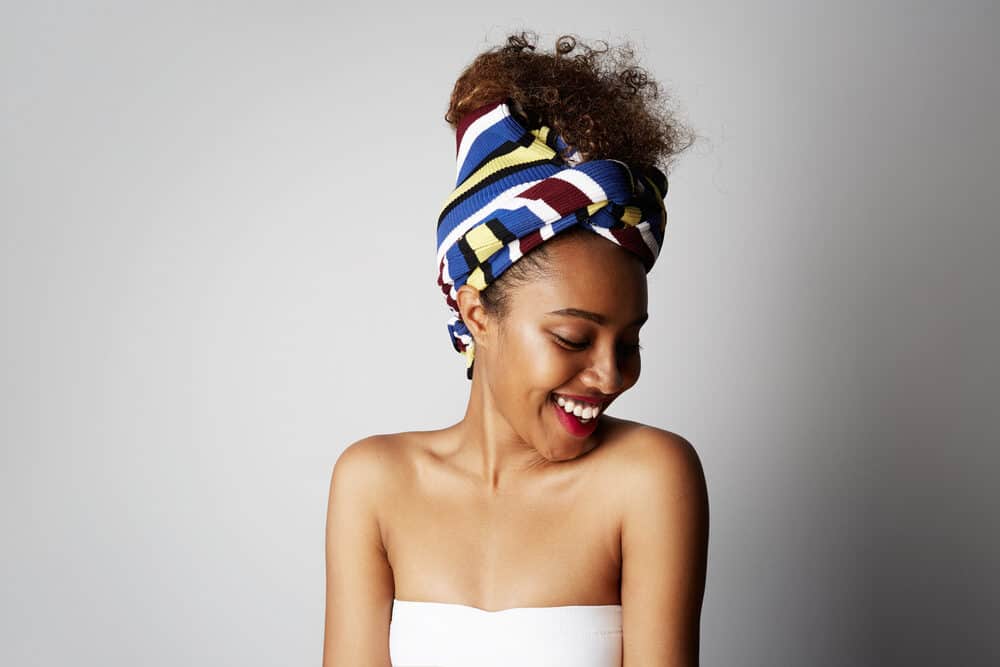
{"type": "Point", "coordinates": [516, 188]}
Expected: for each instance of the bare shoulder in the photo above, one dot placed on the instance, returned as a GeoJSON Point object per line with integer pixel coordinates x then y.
{"type": "Point", "coordinates": [378, 453]}
{"type": "Point", "coordinates": [366, 464]}
{"type": "Point", "coordinates": [650, 450]}
{"type": "Point", "coordinates": [667, 455]}
{"type": "Point", "coordinates": [361, 462]}
{"type": "Point", "coordinates": [369, 464]}
{"type": "Point", "coordinates": [359, 577]}
{"type": "Point", "coordinates": [649, 459]}
{"type": "Point", "coordinates": [664, 542]}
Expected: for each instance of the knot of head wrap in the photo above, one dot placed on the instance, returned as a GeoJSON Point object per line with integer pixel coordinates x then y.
{"type": "Point", "coordinates": [516, 188]}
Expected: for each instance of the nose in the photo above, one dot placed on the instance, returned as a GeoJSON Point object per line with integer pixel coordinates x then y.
{"type": "Point", "coordinates": [604, 372]}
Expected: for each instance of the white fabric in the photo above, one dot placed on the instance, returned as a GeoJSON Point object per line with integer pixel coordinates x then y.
{"type": "Point", "coordinates": [441, 634]}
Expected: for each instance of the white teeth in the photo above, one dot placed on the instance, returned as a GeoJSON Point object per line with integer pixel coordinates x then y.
{"type": "Point", "coordinates": [583, 411]}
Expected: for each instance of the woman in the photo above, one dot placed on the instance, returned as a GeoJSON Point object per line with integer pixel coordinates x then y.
{"type": "Point", "coordinates": [538, 530]}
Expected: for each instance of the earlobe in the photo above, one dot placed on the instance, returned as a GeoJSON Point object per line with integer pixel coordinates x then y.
{"type": "Point", "coordinates": [470, 307]}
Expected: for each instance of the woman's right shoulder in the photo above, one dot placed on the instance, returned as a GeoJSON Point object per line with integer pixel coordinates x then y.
{"type": "Point", "coordinates": [368, 446]}
{"type": "Point", "coordinates": [367, 454]}
{"type": "Point", "coordinates": [361, 472]}
{"type": "Point", "coordinates": [373, 457]}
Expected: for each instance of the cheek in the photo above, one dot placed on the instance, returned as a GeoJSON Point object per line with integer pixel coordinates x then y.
{"type": "Point", "coordinates": [634, 364]}
{"type": "Point", "coordinates": [535, 362]}
{"type": "Point", "coordinates": [631, 368]}
{"type": "Point", "coordinates": [550, 365]}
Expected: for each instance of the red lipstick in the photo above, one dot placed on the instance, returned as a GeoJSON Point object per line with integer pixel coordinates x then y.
{"type": "Point", "coordinates": [571, 422]}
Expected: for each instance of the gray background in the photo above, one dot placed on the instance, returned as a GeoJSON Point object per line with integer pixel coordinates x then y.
{"type": "Point", "coordinates": [194, 325]}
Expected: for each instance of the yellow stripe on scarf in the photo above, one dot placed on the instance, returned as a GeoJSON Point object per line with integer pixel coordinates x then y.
{"type": "Point", "coordinates": [538, 150]}
{"type": "Point", "coordinates": [632, 215]}
{"type": "Point", "coordinates": [477, 279]}
{"type": "Point", "coordinates": [483, 242]}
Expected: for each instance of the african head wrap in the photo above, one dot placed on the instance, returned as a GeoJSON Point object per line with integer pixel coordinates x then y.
{"type": "Point", "coordinates": [516, 188]}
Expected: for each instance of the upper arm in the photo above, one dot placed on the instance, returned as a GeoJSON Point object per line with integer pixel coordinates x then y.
{"type": "Point", "coordinates": [359, 582]}
{"type": "Point", "coordinates": [664, 552]}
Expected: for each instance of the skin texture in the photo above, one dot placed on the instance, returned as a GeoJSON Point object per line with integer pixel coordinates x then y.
{"type": "Point", "coordinates": [507, 509]}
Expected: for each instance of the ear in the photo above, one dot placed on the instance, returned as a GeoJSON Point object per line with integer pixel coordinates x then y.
{"type": "Point", "coordinates": [470, 307]}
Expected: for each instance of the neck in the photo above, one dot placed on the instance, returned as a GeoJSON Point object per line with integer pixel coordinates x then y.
{"type": "Point", "coordinates": [488, 447]}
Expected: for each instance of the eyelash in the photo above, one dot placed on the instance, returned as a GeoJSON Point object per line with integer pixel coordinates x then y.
{"type": "Point", "coordinates": [576, 347]}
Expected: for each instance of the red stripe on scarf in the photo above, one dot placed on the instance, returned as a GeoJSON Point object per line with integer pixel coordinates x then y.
{"type": "Point", "coordinates": [564, 197]}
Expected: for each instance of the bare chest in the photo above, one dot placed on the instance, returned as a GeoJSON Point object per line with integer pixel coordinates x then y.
{"type": "Point", "coordinates": [551, 548]}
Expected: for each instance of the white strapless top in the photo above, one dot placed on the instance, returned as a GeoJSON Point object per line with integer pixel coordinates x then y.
{"type": "Point", "coordinates": [443, 634]}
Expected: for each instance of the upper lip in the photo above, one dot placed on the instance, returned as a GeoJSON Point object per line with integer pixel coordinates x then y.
{"type": "Point", "coordinates": [593, 400]}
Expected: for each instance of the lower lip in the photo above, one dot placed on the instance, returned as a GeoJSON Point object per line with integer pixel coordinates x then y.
{"type": "Point", "coordinates": [572, 424]}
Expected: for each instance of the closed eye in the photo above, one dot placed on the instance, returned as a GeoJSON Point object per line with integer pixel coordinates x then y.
{"type": "Point", "coordinates": [570, 344]}
{"type": "Point", "coordinates": [631, 348]}
{"type": "Point", "coordinates": [627, 348]}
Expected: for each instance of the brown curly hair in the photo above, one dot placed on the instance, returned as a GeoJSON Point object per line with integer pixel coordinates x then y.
{"type": "Point", "coordinates": [596, 97]}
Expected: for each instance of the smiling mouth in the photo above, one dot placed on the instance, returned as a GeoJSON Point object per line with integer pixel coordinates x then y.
{"type": "Point", "coordinates": [584, 411]}
{"type": "Point", "coordinates": [575, 425]}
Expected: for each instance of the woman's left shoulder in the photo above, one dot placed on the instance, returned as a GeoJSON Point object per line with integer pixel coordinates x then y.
{"type": "Point", "coordinates": [648, 454]}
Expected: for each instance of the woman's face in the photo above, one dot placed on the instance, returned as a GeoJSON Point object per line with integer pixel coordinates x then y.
{"type": "Point", "coordinates": [574, 334]}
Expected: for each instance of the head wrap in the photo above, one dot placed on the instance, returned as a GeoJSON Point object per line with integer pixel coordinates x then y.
{"type": "Point", "coordinates": [516, 188]}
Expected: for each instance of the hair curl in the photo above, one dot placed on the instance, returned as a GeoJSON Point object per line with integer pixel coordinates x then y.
{"type": "Point", "coordinates": [595, 96]}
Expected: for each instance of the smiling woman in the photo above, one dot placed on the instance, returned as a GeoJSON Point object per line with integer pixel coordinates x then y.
{"type": "Point", "coordinates": [539, 529]}
{"type": "Point", "coordinates": [572, 334]}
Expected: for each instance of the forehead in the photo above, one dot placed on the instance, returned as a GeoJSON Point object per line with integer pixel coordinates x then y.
{"type": "Point", "coordinates": [589, 272]}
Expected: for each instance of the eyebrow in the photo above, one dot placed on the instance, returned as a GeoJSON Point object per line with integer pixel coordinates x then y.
{"type": "Point", "coordinates": [594, 317]}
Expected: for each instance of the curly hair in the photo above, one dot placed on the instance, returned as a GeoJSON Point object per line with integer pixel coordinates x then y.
{"type": "Point", "coordinates": [596, 97]}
